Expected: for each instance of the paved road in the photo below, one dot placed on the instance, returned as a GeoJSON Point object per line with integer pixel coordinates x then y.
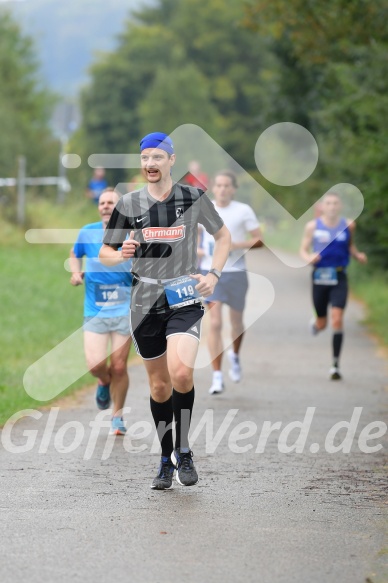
{"type": "Point", "coordinates": [270, 517]}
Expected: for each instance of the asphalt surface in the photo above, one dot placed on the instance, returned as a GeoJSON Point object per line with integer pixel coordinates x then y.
{"type": "Point", "coordinates": [265, 516]}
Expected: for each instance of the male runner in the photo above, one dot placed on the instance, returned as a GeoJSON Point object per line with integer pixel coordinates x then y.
{"type": "Point", "coordinates": [331, 238]}
{"type": "Point", "coordinates": [96, 185]}
{"type": "Point", "coordinates": [161, 223]}
{"type": "Point", "coordinates": [106, 311]}
{"type": "Point", "coordinates": [233, 285]}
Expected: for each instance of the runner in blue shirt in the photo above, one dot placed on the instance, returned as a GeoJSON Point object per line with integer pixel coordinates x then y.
{"type": "Point", "coordinates": [330, 237]}
{"type": "Point", "coordinates": [96, 185]}
{"type": "Point", "coordinates": [106, 312]}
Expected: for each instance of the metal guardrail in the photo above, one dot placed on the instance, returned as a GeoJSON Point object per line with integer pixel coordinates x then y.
{"type": "Point", "coordinates": [42, 181]}
{"type": "Point", "coordinates": [61, 182]}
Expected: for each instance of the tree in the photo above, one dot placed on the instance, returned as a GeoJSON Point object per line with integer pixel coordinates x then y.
{"type": "Point", "coordinates": [320, 32]}
{"type": "Point", "coordinates": [24, 106]}
{"type": "Point", "coordinates": [181, 62]}
{"type": "Point", "coordinates": [343, 46]}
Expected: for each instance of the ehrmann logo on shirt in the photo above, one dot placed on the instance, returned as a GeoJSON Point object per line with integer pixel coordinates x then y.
{"type": "Point", "coordinates": [164, 234]}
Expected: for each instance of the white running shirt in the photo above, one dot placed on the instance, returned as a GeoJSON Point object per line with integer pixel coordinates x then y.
{"type": "Point", "coordinates": [240, 219]}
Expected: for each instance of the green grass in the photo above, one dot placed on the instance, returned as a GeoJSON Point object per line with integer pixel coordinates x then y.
{"type": "Point", "coordinates": [39, 308]}
{"type": "Point", "coordinates": [372, 289]}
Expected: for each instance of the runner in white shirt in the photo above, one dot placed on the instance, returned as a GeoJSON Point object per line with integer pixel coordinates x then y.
{"type": "Point", "coordinates": [232, 287]}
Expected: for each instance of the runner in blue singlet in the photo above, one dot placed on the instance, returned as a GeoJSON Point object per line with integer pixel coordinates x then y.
{"type": "Point", "coordinates": [330, 237]}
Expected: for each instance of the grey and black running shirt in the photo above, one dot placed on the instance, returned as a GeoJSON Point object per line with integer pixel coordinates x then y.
{"type": "Point", "coordinates": [167, 231]}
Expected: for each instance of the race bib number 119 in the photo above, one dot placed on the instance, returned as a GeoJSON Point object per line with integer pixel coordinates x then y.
{"type": "Point", "coordinates": [181, 292]}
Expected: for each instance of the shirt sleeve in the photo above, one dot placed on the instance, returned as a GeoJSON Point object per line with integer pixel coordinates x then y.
{"type": "Point", "coordinates": [118, 227]}
{"type": "Point", "coordinates": [208, 216]}
{"type": "Point", "coordinates": [250, 220]}
{"type": "Point", "coordinates": [79, 247]}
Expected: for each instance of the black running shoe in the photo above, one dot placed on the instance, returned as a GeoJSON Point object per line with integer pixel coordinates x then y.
{"type": "Point", "coordinates": [186, 474]}
{"type": "Point", "coordinates": [163, 480]}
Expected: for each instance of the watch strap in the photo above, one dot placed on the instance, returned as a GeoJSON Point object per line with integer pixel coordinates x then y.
{"type": "Point", "coordinates": [215, 272]}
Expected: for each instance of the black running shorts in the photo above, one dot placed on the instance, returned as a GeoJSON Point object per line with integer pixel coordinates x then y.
{"type": "Point", "coordinates": [150, 331]}
{"type": "Point", "coordinates": [335, 295]}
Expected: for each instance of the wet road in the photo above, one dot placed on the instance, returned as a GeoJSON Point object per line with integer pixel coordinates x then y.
{"type": "Point", "coordinates": [275, 506]}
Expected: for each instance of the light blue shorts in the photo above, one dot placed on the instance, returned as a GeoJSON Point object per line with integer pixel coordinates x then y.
{"type": "Point", "coordinates": [107, 325]}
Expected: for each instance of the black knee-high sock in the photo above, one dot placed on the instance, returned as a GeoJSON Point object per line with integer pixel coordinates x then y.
{"type": "Point", "coordinates": [337, 344]}
{"type": "Point", "coordinates": [183, 406]}
{"type": "Point", "coordinates": [163, 417]}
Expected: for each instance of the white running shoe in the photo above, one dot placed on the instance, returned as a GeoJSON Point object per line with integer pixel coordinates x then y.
{"type": "Point", "coordinates": [335, 374]}
{"type": "Point", "coordinates": [217, 384]}
{"type": "Point", "coordinates": [235, 372]}
{"type": "Point", "coordinates": [312, 326]}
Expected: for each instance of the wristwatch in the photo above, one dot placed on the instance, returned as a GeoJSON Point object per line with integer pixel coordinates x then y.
{"type": "Point", "coordinates": [215, 272]}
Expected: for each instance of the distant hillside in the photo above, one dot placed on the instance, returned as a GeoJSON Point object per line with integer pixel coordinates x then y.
{"type": "Point", "coordinates": [69, 33]}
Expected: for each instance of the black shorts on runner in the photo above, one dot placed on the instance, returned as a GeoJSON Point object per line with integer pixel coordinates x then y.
{"type": "Point", "coordinates": [150, 331]}
{"type": "Point", "coordinates": [336, 295]}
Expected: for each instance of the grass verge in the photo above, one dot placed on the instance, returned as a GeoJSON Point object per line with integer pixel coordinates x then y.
{"type": "Point", "coordinates": [39, 308]}
{"type": "Point", "coordinates": [372, 290]}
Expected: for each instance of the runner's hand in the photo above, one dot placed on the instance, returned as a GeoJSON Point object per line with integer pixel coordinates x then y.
{"type": "Point", "coordinates": [128, 249]}
{"type": "Point", "coordinates": [77, 278]}
{"type": "Point", "coordinates": [314, 258]}
{"type": "Point", "coordinates": [361, 257]}
{"type": "Point", "coordinates": [206, 284]}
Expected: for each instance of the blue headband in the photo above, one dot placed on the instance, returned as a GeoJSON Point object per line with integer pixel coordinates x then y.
{"type": "Point", "coordinates": [157, 140]}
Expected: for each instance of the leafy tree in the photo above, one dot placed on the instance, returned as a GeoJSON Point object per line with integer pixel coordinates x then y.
{"type": "Point", "coordinates": [187, 62]}
{"type": "Point", "coordinates": [320, 32]}
{"type": "Point", "coordinates": [343, 46]}
{"type": "Point", "coordinates": [24, 105]}
{"type": "Point", "coordinates": [236, 68]}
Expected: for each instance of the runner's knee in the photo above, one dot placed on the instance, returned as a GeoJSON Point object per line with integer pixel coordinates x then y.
{"type": "Point", "coordinates": [118, 368]}
{"type": "Point", "coordinates": [160, 390]}
{"type": "Point", "coordinates": [321, 323]}
{"type": "Point", "coordinates": [182, 377]}
{"type": "Point", "coordinates": [216, 325]}
{"type": "Point", "coordinates": [337, 322]}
